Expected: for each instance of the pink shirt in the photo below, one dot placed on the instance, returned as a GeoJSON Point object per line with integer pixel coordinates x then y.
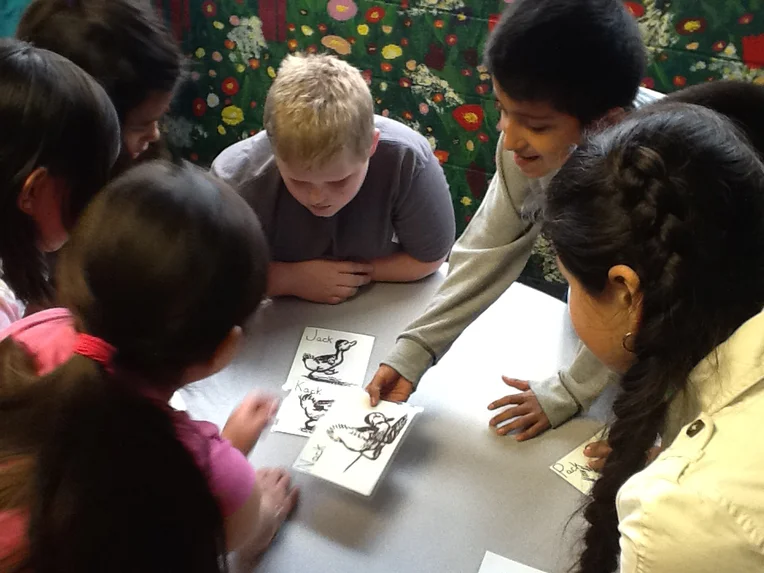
{"type": "Point", "coordinates": [49, 336]}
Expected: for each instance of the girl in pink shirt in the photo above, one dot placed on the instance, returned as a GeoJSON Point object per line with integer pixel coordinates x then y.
{"type": "Point", "coordinates": [97, 471]}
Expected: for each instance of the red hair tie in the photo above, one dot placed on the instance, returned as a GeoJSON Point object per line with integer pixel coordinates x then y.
{"type": "Point", "coordinates": [97, 349]}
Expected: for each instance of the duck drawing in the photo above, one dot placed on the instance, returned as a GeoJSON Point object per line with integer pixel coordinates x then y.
{"type": "Point", "coordinates": [369, 440]}
{"type": "Point", "coordinates": [321, 368]}
{"type": "Point", "coordinates": [313, 408]}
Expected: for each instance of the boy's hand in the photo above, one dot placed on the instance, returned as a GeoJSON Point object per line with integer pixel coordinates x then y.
{"type": "Point", "coordinates": [248, 420]}
{"type": "Point", "coordinates": [526, 411]}
{"type": "Point", "coordinates": [387, 384]}
{"type": "Point", "coordinates": [324, 281]}
{"type": "Point", "coordinates": [599, 451]}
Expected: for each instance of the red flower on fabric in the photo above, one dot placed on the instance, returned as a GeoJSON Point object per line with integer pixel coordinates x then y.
{"type": "Point", "coordinates": [451, 39]}
{"type": "Point", "coordinates": [466, 72]}
{"type": "Point", "coordinates": [482, 89]}
{"type": "Point", "coordinates": [437, 98]}
{"type": "Point", "coordinates": [407, 115]}
{"type": "Point", "coordinates": [680, 81]}
{"type": "Point", "coordinates": [229, 44]}
{"type": "Point", "coordinates": [322, 28]}
{"type": "Point", "coordinates": [386, 67]}
{"type": "Point", "coordinates": [483, 138]}
{"type": "Point", "coordinates": [291, 27]}
{"type": "Point", "coordinates": [200, 107]}
{"type": "Point", "coordinates": [194, 157]}
{"type": "Point", "coordinates": [441, 155]}
{"type": "Point", "coordinates": [292, 44]}
{"type": "Point", "coordinates": [375, 14]}
{"type": "Point", "coordinates": [439, 23]}
{"type": "Point", "coordinates": [753, 51]}
{"type": "Point", "coordinates": [493, 19]}
{"type": "Point", "coordinates": [469, 116]}
{"type": "Point", "coordinates": [371, 49]}
{"type": "Point", "coordinates": [648, 83]}
{"type": "Point", "coordinates": [687, 26]}
{"type": "Point", "coordinates": [312, 49]}
{"type": "Point", "coordinates": [404, 82]}
{"type": "Point", "coordinates": [209, 8]}
{"type": "Point", "coordinates": [637, 10]}
{"type": "Point", "coordinates": [745, 19]}
{"type": "Point", "coordinates": [366, 74]}
{"type": "Point", "coordinates": [404, 4]}
{"type": "Point", "coordinates": [404, 42]}
{"type": "Point", "coordinates": [230, 86]}
{"type": "Point", "coordinates": [719, 46]}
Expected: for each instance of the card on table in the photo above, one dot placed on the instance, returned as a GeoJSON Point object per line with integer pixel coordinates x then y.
{"type": "Point", "coordinates": [307, 403]}
{"type": "Point", "coordinates": [353, 444]}
{"type": "Point", "coordinates": [332, 357]}
{"type": "Point", "coordinates": [574, 467]}
{"type": "Point", "coordinates": [493, 563]}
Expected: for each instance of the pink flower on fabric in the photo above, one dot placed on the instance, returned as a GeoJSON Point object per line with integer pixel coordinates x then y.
{"type": "Point", "coordinates": [342, 9]}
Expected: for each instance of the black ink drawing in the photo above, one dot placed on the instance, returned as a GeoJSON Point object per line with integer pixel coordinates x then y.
{"type": "Point", "coordinates": [369, 440]}
{"type": "Point", "coordinates": [313, 407]}
{"type": "Point", "coordinates": [587, 473]}
{"type": "Point", "coordinates": [324, 368]}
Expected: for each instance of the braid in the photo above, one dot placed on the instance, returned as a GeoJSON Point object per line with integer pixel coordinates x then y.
{"type": "Point", "coordinates": [673, 196]}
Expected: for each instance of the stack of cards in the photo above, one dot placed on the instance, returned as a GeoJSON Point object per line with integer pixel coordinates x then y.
{"type": "Point", "coordinates": [327, 365]}
{"type": "Point", "coordinates": [574, 467]}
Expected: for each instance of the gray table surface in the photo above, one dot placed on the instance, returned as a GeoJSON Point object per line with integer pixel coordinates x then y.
{"type": "Point", "coordinates": [454, 489]}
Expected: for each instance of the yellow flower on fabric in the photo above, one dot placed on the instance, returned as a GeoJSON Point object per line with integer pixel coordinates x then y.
{"type": "Point", "coordinates": [470, 145]}
{"type": "Point", "coordinates": [363, 29]}
{"type": "Point", "coordinates": [759, 81]}
{"type": "Point", "coordinates": [730, 50]}
{"type": "Point", "coordinates": [387, 29]}
{"type": "Point", "coordinates": [218, 25]}
{"type": "Point", "coordinates": [392, 51]}
{"type": "Point", "coordinates": [221, 130]}
{"type": "Point", "coordinates": [199, 53]}
{"type": "Point", "coordinates": [485, 77]}
{"type": "Point", "coordinates": [383, 86]}
{"type": "Point", "coordinates": [306, 30]}
{"type": "Point", "coordinates": [411, 65]}
{"type": "Point", "coordinates": [693, 46]}
{"type": "Point", "coordinates": [271, 71]}
{"type": "Point", "coordinates": [232, 115]}
{"type": "Point", "coordinates": [482, 69]}
{"type": "Point", "coordinates": [466, 201]}
{"type": "Point", "coordinates": [338, 44]}
{"type": "Point", "coordinates": [240, 68]}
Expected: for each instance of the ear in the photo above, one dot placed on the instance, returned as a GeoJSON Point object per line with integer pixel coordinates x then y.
{"type": "Point", "coordinates": [625, 285]}
{"type": "Point", "coordinates": [33, 188]}
{"type": "Point", "coordinates": [374, 143]}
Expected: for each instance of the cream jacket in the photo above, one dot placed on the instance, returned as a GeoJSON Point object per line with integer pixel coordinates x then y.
{"type": "Point", "coordinates": [699, 507]}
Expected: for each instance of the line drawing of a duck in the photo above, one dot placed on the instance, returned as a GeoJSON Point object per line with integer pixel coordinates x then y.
{"type": "Point", "coordinates": [314, 408]}
{"type": "Point", "coordinates": [369, 440]}
{"type": "Point", "coordinates": [322, 368]}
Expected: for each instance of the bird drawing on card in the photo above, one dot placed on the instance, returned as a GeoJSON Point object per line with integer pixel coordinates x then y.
{"type": "Point", "coordinates": [320, 368]}
{"type": "Point", "coordinates": [369, 440]}
{"type": "Point", "coordinates": [313, 408]}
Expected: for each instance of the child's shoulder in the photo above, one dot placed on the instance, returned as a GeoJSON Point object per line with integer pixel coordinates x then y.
{"type": "Point", "coordinates": [247, 158]}
{"type": "Point", "coordinates": [48, 335]}
{"type": "Point", "coordinates": [397, 139]}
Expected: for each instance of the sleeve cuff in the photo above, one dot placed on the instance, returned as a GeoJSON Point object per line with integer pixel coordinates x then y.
{"type": "Point", "coordinates": [410, 359]}
{"type": "Point", "coordinates": [557, 403]}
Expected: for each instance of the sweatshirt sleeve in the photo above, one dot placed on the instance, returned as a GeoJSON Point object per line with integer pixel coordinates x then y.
{"type": "Point", "coordinates": [484, 262]}
{"type": "Point", "coordinates": [573, 390]}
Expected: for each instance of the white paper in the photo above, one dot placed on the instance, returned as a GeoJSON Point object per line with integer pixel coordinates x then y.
{"type": "Point", "coordinates": [330, 356]}
{"type": "Point", "coordinates": [307, 403]}
{"type": "Point", "coordinates": [353, 443]}
{"type": "Point", "coordinates": [574, 467]}
{"type": "Point", "coordinates": [493, 563]}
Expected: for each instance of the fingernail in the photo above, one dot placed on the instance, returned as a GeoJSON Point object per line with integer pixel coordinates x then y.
{"type": "Point", "coordinates": [588, 450]}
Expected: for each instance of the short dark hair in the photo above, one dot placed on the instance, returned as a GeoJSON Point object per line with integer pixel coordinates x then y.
{"type": "Point", "coordinates": [741, 102]}
{"type": "Point", "coordinates": [122, 43]}
{"type": "Point", "coordinates": [584, 57]}
{"type": "Point", "coordinates": [52, 115]}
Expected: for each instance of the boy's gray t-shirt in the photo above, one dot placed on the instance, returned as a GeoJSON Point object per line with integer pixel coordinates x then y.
{"type": "Point", "coordinates": [404, 203]}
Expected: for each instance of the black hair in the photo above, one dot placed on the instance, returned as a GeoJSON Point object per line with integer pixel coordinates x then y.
{"type": "Point", "coordinates": [162, 265]}
{"type": "Point", "coordinates": [675, 193]}
{"type": "Point", "coordinates": [122, 43]}
{"type": "Point", "coordinates": [742, 103]}
{"type": "Point", "coordinates": [526, 53]}
{"type": "Point", "coordinates": [53, 116]}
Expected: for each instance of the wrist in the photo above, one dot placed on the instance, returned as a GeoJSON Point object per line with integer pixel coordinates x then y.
{"type": "Point", "coordinates": [279, 283]}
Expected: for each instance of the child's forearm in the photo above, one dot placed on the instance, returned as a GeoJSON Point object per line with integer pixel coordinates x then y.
{"type": "Point", "coordinates": [401, 268]}
{"type": "Point", "coordinates": [280, 279]}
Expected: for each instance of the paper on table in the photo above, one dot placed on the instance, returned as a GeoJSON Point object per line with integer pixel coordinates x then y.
{"type": "Point", "coordinates": [353, 443]}
{"type": "Point", "coordinates": [306, 404]}
{"type": "Point", "coordinates": [493, 563]}
{"type": "Point", "coordinates": [330, 356]}
{"type": "Point", "coordinates": [574, 467]}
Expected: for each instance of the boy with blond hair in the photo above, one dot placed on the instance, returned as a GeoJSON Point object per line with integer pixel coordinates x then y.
{"type": "Point", "coordinates": [345, 197]}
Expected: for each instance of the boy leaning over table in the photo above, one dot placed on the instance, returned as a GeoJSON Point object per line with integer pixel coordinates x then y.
{"type": "Point", "coordinates": [547, 100]}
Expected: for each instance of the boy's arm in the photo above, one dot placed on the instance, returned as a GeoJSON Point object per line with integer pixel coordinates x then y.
{"type": "Point", "coordinates": [484, 262]}
{"type": "Point", "coordinates": [573, 390]}
{"type": "Point", "coordinates": [401, 268]}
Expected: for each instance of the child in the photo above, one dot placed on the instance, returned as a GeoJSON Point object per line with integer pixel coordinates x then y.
{"type": "Point", "coordinates": [164, 268]}
{"type": "Point", "coordinates": [546, 102]}
{"type": "Point", "coordinates": [58, 141]}
{"type": "Point", "coordinates": [658, 225]}
{"type": "Point", "coordinates": [345, 197]}
{"type": "Point", "coordinates": [124, 45]}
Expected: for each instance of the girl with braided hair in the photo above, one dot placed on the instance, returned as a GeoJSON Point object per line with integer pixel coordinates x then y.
{"type": "Point", "coordinates": [659, 225]}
